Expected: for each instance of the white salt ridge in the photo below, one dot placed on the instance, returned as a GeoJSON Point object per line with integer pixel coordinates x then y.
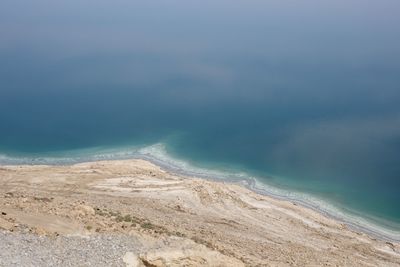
{"type": "Point", "coordinates": [157, 154]}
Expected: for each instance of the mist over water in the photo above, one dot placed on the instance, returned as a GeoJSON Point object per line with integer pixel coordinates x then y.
{"type": "Point", "coordinates": [304, 95]}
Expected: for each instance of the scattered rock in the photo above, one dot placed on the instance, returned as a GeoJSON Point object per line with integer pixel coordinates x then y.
{"type": "Point", "coordinates": [131, 260]}
{"type": "Point", "coordinates": [186, 253]}
{"type": "Point", "coordinates": [136, 220]}
{"type": "Point", "coordinates": [391, 245]}
{"type": "Point", "coordinates": [6, 225]}
{"type": "Point", "coordinates": [85, 210]}
{"type": "Point", "coordinates": [43, 199]}
{"type": "Point", "coordinates": [179, 208]}
{"type": "Point", "coordinates": [39, 231]}
{"type": "Point", "coordinates": [9, 194]}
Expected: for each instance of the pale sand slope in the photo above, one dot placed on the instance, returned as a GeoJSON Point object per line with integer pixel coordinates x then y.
{"type": "Point", "coordinates": [178, 221]}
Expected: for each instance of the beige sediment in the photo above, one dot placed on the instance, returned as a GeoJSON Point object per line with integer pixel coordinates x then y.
{"type": "Point", "coordinates": [190, 221]}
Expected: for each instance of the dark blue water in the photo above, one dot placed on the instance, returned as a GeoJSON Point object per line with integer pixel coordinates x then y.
{"type": "Point", "coordinates": [304, 95]}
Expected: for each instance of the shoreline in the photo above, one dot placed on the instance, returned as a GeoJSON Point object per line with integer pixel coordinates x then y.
{"type": "Point", "coordinates": [139, 200]}
{"type": "Point", "coordinates": [251, 184]}
{"type": "Point", "coordinates": [157, 155]}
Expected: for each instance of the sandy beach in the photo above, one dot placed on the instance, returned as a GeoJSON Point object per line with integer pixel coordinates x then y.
{"type": "Point", "coordinates": [133, 213]}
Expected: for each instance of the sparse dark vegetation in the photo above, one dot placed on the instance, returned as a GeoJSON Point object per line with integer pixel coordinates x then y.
{"type": "Point", "coordinates": [147, 225]}
{"type": "Point", "coordinates": [119, 218]}
{"type": "Point", "coordinates": [199, 240]}
{"type": "Point", "coordinates": [100, 212]}
{"type": "Point", "coordinates": [179, 234]}
{"type": "Point", "coordinates": [114, 214]}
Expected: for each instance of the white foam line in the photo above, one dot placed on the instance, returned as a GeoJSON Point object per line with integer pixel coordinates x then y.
{"type": "Point", "coordinates": [157, 154]}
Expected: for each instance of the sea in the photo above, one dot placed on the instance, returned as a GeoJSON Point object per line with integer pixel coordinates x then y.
{"type": "Point", "coordinates": [295, 99]}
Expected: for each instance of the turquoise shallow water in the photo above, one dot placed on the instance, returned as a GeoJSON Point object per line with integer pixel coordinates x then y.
{"type": "Point", "coordinates": [302, 97]}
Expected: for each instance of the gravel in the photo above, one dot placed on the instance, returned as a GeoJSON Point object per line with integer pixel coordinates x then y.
{"type": "Point", "coordinates": [21, 249]}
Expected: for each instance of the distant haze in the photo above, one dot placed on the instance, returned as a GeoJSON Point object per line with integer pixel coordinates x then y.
{"type": "Point", "coordinates": [303, 93]}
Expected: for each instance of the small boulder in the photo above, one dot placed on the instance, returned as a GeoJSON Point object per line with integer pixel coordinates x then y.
{"type": "Point", "coordinates": [131, 260]}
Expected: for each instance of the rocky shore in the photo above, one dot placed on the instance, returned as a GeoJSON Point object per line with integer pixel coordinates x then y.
{"type": "Point", "coordinates": [133, 213]}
